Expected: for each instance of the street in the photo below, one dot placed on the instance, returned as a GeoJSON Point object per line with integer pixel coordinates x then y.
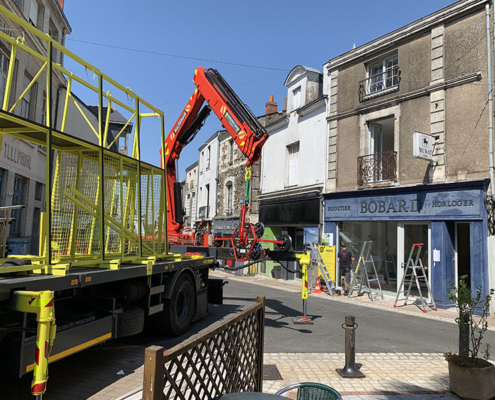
{"type": "Point", "coordinates": [92, 374]}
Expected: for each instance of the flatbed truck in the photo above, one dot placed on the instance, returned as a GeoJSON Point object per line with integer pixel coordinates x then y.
{"type": "Point", "coordinates": [104, 268]}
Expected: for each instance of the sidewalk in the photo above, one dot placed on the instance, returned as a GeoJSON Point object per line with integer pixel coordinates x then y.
{"type": "Point", "coordinates": [389, 376]}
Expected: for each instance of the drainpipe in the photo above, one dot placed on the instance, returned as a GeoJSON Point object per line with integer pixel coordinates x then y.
{"type": "Point", "coordinates": [490, 97]}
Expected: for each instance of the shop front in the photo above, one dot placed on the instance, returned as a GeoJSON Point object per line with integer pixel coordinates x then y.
{"type": "Point", "coordinates": [449, 220]}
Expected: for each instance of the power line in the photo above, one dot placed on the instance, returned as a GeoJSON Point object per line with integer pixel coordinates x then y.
{"type": "Point", "coordinates": [177, 56]}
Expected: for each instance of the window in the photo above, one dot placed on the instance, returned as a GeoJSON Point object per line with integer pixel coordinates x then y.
{"type": "Point", "coordinates": [18, 198]}
{"type": "Point", "coordinates": [26, 100]}
{"type": "Point", "coordinates": [292, 164]}
{"type": "Point", "coordinates": [4, 69]}
{"type": "Point", "coordinates": [43, 109]}
{"type": "Point", "coordinates": [231, 151]}
{"type": "Point", "coordinates": [296, 98]}
{"type": "Point", "coordinates": [53, 32]}
{"type": "Point", "coordinates": [382, 75]}
{"type": "Point", "coordinates": [201, 162]}
{"type": "Point", "coordinates": [18, 4]}
{"type": "Point", "coordinates": [229, 198]}
{"type": "Point", "coordinates": [122, 142]}
{"type": "Point", "coordinates": [2, 175]}
{"type": "Point", "coordinates": [208, 157]}
{"type": "Point", "coordinates": [38, 193]}
{"type": "Point", "coordinates": [33, 13]}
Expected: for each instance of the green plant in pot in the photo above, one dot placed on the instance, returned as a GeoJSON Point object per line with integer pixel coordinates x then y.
{"type": "Point", "coordinates": [470, 376]}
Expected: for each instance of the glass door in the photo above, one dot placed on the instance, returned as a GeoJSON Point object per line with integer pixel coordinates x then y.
{"type": "Point", "coordinates": [413, 233]}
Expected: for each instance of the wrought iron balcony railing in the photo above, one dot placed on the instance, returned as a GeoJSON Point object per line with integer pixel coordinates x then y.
{"type": "Point", "coordinates": [379, 84]}
{"type": "Point", "coordinates": [204, 212]}
{"type": "Point", "coordinates": [378, 168]}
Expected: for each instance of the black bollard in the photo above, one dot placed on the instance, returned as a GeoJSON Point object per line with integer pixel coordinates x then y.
{"type": "Point", "coordinates": [463, 322]}
{"type": "Point", "coordinates": [350, 370]}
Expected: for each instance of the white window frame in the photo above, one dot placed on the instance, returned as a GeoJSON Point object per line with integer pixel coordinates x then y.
{"type": "Point", "coordinates": [208, 154]}
{"type": "Point", "coordinates": [386, 77]}
{"type": "Point", "coordinates": [292, 174]}
{"type": "Point", "coordinates": [4, 69]}
{"type": "Point", "coordinates": [296, 98]}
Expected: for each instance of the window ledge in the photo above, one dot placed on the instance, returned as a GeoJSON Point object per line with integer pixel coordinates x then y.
{"type": "Point", "coordinates": [381, 93]}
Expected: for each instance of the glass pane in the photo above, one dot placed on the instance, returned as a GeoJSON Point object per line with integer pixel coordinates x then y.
{"type": "Point", "coordinates": [383, 250]}
{"type": "Point", "coordinates": [414, 234]}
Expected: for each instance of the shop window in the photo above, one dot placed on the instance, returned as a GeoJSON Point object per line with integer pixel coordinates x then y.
{"type": "Point", "coordinates": [383, 250]}
{"type": "Point", "coordinates": [19, 198]}
{"type": "Point", "coordinates": [292, 164]}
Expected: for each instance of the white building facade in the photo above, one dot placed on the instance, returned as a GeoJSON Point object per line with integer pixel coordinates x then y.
{"type": "Point", "coordinates": [191, 197]}
{"type": "Point", "coordinates": [207, 179]}
{"type": "Point", "coordinates": [294, 162]}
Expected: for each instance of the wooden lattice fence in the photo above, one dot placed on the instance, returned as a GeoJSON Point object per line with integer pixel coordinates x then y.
{"type": "Point", "coordinates": [224, 358]}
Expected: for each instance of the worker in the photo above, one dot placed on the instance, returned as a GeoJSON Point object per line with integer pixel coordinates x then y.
{"type": "Point", "coordinates": [345, 259]}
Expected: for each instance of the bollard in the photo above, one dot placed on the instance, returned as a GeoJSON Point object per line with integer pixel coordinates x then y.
{"type": "Point", "coordinates": [463, 322]}
{"type": "Point", "coordinates": [350, 370]}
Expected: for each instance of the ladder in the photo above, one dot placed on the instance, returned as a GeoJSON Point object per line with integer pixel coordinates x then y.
{"type": "Point", "coordinates": [416, 265]}
{"type": "Point", "coordinates": [362, 275]}
{"type": "Point", "coordinates": [318, 260]}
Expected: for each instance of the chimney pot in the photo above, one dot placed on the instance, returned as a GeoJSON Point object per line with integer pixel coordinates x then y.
{"type": "Point", "coordinates": [271, 106]}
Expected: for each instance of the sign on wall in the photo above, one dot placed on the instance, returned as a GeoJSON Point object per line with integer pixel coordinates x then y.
{"type": "Point", "coordinates": [423, 146]}
{"type": "Point", "coordinates": [328, 256]}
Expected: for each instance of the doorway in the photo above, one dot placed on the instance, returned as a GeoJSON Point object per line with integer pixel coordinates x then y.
{"type": "Point", "coordinates": [414, 233]}
{"type": "Point", "coordinates": [463, 253]}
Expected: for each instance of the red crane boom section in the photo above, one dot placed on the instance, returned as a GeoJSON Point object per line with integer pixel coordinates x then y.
{"type": "Point", "coordinates": [235, 116]}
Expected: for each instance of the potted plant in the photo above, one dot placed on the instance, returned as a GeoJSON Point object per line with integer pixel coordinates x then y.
{"type": "Point", "coordinates": [470, 376]}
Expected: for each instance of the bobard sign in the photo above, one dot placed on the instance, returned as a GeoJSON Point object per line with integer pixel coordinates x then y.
{"type": "Point", "coordinates": [429, 205]}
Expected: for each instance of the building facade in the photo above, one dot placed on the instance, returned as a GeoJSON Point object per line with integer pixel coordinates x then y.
{"type": "Point", "coordinates": [294, 163]}
{"type": "Point", "coordinates": [207, 180]}
{"type": "Point", "coordinates": [22, 164]}
{"type": "Point", "coordinates": [428, 77]}
{"type": "Point", "coordinates": [191, 199]}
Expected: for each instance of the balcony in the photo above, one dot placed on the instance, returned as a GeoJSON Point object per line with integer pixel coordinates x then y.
{"type": "Point", "coordinates": [379, 84]}
{"type": "Point", "coordinates": [190, 186]}
{"type": "Point", "coordinates": [204, 212]}
{"type": "Point", "coordinates": [377, 169]}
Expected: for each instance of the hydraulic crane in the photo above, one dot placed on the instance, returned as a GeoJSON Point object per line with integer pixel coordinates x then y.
{"type": "Point", "coordinates": [248, 134]}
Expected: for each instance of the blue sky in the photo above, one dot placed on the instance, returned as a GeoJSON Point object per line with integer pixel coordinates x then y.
{"type": "Point", "coordinates": [253, 44]}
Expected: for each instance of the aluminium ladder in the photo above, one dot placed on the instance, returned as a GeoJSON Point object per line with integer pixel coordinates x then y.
{"type": "Point", "coordinates": [316, 257]}
{"type": "Point", "coordinates": [361, 274]}
{"type": "Point", "coordinates": [414, 262]}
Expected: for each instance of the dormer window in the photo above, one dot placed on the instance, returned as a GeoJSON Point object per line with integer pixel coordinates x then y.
{"type": "Point", "coordinates": [296, 98]}
{"type": "Point", "coordinates": [383, 76]}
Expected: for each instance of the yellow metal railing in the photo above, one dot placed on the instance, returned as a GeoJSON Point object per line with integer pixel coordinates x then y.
{"type": "Point", "coordinates": [102, 208]}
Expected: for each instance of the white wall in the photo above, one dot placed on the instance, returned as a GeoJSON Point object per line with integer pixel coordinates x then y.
{"type": "Point", "coordinates": [208, 176]}
{"type": "Point", "coordinates": [311, 132]}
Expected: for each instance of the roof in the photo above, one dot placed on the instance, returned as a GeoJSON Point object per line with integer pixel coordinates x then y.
{"type": "Point", "coordinates": [192, 166]}
{"type": "Point", "coordinates": [299, 70]}
{"type": "Point", "coordinates": [115, 116]}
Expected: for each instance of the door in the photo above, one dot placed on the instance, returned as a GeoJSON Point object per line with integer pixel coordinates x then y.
{"type": "Point", "coordinates": [462, 253]}
{"type": "Point", "coordinates": [414, 233]}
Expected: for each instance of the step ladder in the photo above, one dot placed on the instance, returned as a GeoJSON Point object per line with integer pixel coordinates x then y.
{"type": "Point", "coordinates": [361, 275]}
{"type": "Point", "coordinates": [318, 260]}
{"type": "Point", "coordinates": [417, 275]}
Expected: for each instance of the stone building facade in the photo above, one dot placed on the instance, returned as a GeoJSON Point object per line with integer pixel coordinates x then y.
{"type": "Point", "coordinates": [22, 164]}
{"type": "Point", "coordinates": [429, 77]}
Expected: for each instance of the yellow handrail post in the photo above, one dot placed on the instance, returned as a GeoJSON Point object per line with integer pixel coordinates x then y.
{"type": "Point", "coordinates": [42, 304]}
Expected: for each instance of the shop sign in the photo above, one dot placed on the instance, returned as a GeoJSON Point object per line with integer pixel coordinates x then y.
{"type": "Point", "coordinates": [13, 154]}
{"type": "Point", "coordinates": [423, 146]}
{"type": "Point", "coordinates": [327, 254]}
{"type": "Point", "coordinates": [433, 205]}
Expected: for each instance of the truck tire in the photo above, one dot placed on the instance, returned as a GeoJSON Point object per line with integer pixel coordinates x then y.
{"type": "Point", "coordinates": [130, 322]}
{"type": "Point", "coordinates": [179, 310]}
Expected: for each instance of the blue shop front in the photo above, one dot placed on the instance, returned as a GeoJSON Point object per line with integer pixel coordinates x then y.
{"type": "Point", "coordinates": [449, 219]}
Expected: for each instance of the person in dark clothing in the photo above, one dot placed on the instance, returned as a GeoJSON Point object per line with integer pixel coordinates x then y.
{"type": "Point", "coordinates": [345, 259]}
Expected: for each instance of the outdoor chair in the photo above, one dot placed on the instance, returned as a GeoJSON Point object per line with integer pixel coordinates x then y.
{"type": "Point", "coordinates": [312, 391]}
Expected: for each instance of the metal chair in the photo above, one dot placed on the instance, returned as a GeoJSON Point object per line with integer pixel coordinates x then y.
{"type": "Point", "coordinates": [312, 391]}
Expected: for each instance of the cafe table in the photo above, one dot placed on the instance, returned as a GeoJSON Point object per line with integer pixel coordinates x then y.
{"type": "Point", "coordinates": [248, 396]}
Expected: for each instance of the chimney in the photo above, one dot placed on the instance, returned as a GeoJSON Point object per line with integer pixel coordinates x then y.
{"type": "Point", "coordinates": [61, 2]}
{"type": "Point", "coordinates": [271, 106]}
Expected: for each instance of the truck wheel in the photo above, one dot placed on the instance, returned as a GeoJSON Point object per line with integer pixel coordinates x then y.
{"type": "Point", "coordinates": [130, 322]}
{"type": "Point", "coordinates": [179, 310]}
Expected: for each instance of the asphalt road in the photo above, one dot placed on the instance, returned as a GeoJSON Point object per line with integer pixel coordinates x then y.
{"type": "Point", "coordinates": [378, 330]}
